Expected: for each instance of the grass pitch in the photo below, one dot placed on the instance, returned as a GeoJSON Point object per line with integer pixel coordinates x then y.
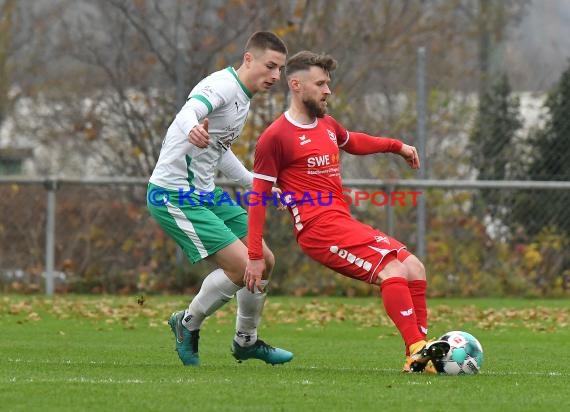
{"type": "Point", "coordinates": [78, 353]}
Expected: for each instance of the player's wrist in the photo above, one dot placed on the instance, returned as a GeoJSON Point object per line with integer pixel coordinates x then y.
{"type": "Point", "coordinates": [398, 145]}
{"type": "Point", "coordinates": [255, 256]}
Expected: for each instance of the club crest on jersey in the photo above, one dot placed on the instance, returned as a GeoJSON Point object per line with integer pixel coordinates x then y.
{"type": "Point", "coordinates": [303, 140]}
{"type": "Point", "coordinates": [331, 135]}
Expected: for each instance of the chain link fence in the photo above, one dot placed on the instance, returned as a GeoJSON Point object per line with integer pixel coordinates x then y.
{"type": "Point", "coordinates": [102, 239]}
{"type": "Point", "coordinates": [487, 111]}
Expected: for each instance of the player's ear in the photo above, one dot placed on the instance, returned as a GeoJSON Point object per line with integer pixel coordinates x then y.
{"type": "Point", "coordinates": [295, 84]}
{"type": "Point", "coordinates": [247, 58]}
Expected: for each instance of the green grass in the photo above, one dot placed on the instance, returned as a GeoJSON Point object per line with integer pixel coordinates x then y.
{"type": "Point", "coordinates": [107, 353]}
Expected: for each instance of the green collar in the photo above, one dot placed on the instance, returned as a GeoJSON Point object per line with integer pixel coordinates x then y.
{"type": "Point", "coordinates": [233, 72]}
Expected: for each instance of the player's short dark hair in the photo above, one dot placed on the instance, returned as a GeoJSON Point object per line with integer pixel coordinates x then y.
{"type": "Point", "coordinates": [305, 59]}
{"type": "Point", "coordinates": [265, 40]}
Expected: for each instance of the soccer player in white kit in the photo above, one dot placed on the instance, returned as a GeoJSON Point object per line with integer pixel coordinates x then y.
{"type": "Point", "coordinates": [199, 216]}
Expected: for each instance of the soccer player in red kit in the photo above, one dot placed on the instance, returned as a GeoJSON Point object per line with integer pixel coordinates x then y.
{"type": "Point", "coordinates": [299, 152]}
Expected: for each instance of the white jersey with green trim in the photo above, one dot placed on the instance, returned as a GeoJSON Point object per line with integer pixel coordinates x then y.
{"type": "Point", "coordinates": [224, 100]}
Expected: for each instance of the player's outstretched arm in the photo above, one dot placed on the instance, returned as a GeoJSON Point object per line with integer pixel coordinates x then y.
{"type": "Point", "coordinates": [362, 144]}
{"type": "Point", "coordinates": [359, 143]}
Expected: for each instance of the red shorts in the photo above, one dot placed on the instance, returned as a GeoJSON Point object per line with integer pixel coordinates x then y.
{"type": "Point", "coordinates": [350, 247]}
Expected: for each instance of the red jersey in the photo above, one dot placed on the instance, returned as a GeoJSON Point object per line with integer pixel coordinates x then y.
{"type": "Point", "coordinates": [304, 160]}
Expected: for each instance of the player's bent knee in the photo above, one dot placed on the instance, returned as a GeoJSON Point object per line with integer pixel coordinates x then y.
{"type": "Point", "coordinates": [416, 269]}
{"type": "Point", "coordinates": [235, 277]}
{"type": "Point", "coordinates": [393, 269]}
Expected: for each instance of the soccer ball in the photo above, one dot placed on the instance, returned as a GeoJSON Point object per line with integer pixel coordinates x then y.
{"type": "Point", "coordinates": [465, 355]}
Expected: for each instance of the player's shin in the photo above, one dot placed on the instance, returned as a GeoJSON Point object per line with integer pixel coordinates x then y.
{"type": "Point", "coordinates": [216, 290]}
{"type": "Point", "coordinates": [418, 294]}
{"type": "Point", "coordinates": [399, 307]}
{"type": "Point", "coordinates": [249, 308]}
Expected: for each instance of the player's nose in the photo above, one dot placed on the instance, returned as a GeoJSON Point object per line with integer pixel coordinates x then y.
{"type": "Point", "coordinates": [276, 74]}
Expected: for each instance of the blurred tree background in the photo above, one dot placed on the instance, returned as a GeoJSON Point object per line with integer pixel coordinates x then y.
{"type": "Point", "coordinates": [93, 85]}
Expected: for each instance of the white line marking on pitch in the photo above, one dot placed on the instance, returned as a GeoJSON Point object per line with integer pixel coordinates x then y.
{"type": "Point", "coordinates": [134, 381]}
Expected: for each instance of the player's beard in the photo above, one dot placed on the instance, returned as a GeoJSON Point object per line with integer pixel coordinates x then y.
{"type": "Point", "coordinates": [314, 108]}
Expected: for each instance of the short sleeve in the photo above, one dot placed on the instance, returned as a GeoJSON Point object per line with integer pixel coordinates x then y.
{"type": "Point", "coordinates": [214, 95]}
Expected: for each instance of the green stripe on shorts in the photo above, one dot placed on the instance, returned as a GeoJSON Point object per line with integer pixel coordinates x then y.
{"type": "Point", "coordinates": [199, 228]}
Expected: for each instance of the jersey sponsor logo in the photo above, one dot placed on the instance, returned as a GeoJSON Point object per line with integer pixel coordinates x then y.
{"type": "Point", "coordinates": [231, 134]}
{"type": "Point", "coordinates": [207, 91]}
{"type": "Point", "coordinates": [332, 135]}
{"type": "Point", "coordinates": [407, 313]}
{"type": "Point", "coordinates": [351, 258]}
{"type": "Point", "coordinates": [379, 239]}
{"type": "Point", "coordinates": [226, 142]}
{"type": "Point", "coordinates": [317, 161]}
{"type": "Point", "coordinates": [303, 140]}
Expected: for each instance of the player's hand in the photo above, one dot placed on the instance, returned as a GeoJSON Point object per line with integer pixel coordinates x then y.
{"type": "Point", "coordinates": [280, 205]}
{"type": "Point", "coordinates": [410, 154]}
{"type": "Point", "coordinates": [252, 276]}
{"type": "Point", "coordinates": [199, 135]}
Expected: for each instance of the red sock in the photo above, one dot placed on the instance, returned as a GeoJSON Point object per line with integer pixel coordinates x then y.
{"type": "Point", "coordinates": [400, 308]}
{"type": "Point", "coordinates": [418, 293]}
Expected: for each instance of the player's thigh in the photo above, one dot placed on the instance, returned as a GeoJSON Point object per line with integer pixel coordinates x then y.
{"type": "Point", "coordinates": [360, 252]}
{"type": "Point", "coordinates": [232, 259]}
{"type": "Point", "coordinates": [232, 214]}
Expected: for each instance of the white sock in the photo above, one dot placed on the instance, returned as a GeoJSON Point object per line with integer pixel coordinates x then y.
{"type": "Point", "coordinates": [250, 306]}
{"type": "Point", "coordinates": [216, 290]}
